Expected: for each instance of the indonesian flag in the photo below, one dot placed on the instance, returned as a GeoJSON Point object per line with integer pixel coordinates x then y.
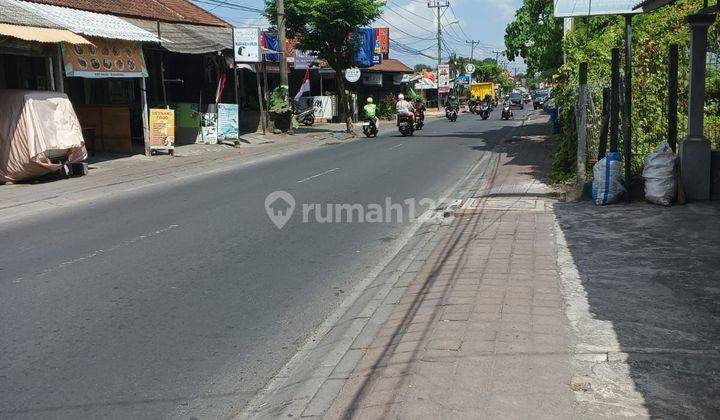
{"type": "Point", "coordinates": [305, 87]}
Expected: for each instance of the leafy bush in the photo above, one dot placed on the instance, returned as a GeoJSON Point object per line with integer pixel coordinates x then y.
{"type": "Point", "coordinates": [278, 101]}
{"type": "Point", "coordinates": [386, 107]}
{"type": "Point", "coordinates": [592, 41]}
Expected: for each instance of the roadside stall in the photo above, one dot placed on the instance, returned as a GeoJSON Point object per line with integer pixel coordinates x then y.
{"type": "Point", "coordinates": [105, 80]}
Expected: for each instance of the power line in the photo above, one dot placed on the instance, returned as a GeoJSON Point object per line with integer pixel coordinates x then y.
{"type": "Point", "coordinates": [401, 31]}
{"type": "Point", "coordinates": [408, 20]}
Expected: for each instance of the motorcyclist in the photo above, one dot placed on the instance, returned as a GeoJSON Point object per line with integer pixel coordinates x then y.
{"type": "Point", "coordinates": [452, 103]}
{"type": "Point", "coordinates": [370, 110]}
{"type": "Point", "coordinates": [404, 108]}
{"type": "Point", "coordinates": [420, 108]}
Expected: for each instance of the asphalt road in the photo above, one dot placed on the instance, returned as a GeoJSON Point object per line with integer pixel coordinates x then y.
{"type": "Point", "coordinates": [181, 301]}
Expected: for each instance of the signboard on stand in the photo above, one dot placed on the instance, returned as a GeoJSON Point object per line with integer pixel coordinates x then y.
{"type": "Point", "coordinates": [106, 59]}
{"type": "Point", "coordinates": [247, 45]}
{"type": "Point", "coordinates": [162, 129]}
{"type": "Point", "coordinates": [208, 130]}
{"type": "Point", "coordinates": [227, 121]}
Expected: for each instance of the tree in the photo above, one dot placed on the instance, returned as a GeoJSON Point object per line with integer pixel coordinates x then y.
{"type": "Point", "coordinates": [536, 36]}
{"type": "Point", "coordinates": [326, 27]}
{"type": "Point", "coordinates": [420, 67]}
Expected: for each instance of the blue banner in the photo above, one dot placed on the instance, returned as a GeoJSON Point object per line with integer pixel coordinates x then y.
{"type": "Point", "coordinates": [365, 38]}
{"type": "Point", "coordinates": [272, 43]}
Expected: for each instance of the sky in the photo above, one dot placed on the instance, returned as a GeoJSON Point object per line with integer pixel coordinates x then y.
{"type": "Point", "coordinates": [414, 25]}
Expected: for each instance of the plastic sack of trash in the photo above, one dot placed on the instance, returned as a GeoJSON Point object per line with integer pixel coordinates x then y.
{"type": "Point", "coordinates": [607, 187]}
{"type": "Point", "coordinates": [659, 175]}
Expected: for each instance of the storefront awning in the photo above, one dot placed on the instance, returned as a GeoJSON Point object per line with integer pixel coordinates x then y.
{"type": "Point", "coordinates": [89, 23]}
{"type": "Point", "coordinates": [187, 39]}
{"type": "Point", "coordinates": [32, 33]}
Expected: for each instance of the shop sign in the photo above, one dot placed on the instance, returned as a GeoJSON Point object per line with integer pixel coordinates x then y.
{"type": "Point", "coordinates": [106, 58]}
{"type": "Point", "coordinates": [352, 75]}
{"type": "Point", "coordinates": [247, 45]}
{"type": "Point", "coordinates": [304, 59]}
{"type": "Point", "coordinates": [227, 124]}
{"type": "Point", "coordinates": [444, 89]}
{"type": "Point", "coordinates": [373, 79]}
{"type": "Point", "coordinates": [162, 128]}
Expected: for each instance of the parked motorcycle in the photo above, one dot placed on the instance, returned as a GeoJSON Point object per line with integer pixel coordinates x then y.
{"type": "Point", "coordinates": [370, 128]}
{"type": "Point", "coordinates": [406, 125]}
{"type": "Point", "coordinates": [484, 111]}
{"type": "Point", "coordinates": [506, 111]}
{"type": "Point", "coordinates": [305, 117]}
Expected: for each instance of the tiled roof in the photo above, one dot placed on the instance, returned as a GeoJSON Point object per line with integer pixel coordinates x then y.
{"type": "Point", "coordinates": [179, 11]}
{"type": "Point", "coordinates": [389, 66]}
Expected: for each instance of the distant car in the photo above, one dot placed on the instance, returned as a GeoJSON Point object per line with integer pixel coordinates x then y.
{"type": "Point", "coordinates": [516, 100]}
{"type": "Point", "coordinates": [540, 97]}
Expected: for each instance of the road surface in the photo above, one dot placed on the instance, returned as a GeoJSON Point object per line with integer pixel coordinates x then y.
{"type": "Point", "coordinates": [181, 301]}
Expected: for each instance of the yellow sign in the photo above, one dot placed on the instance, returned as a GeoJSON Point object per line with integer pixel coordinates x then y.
{"type": "Point", "coordinates": [162, 128]}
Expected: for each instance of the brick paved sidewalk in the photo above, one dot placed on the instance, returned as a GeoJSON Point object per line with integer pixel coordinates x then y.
{"type": "Point", "coordinates": [481, 331]}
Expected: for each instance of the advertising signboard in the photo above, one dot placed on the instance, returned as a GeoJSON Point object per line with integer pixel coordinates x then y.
{"type": "Point", "coordinates": [227, 124]}
{"type": "Point", "coordinates": [382, 40]}
{"type": "Point", "coordinates": [443, 76]}
{"type": "Point", "coordinates": [247, 45]}
{"type": "Point", "coordinates": [304, 59]}
{"type": "Point", "coordinates": [162, 128]}
{"type": "Point", "coordinates": [107, 58]}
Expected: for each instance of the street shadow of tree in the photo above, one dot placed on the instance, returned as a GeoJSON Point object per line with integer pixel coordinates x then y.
{"type": "Point", "coordinates": [650, 276]}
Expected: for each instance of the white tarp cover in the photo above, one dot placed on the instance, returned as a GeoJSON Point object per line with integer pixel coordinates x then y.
{"type": "Point", "coordinates": [90, 23]}
{"type": "Point", "coordinates": [33, 125]}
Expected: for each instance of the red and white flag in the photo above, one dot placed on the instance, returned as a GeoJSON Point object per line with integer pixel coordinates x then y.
{"type": "Point", "coordinates": [305, 87]}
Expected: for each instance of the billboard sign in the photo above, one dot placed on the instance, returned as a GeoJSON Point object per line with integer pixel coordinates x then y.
{"type": "Point", "coordinates": [247, 45]}
{"type": "Point", "coordinates": [382, 40]}
{"type": "Point", "coordinates": [106, 59]}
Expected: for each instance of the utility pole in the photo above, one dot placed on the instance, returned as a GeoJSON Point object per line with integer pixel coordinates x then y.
{"type": "Point", "coordinates": [497, 56]}
{"type": "Point", "coordinates": [281, 40]}
{"type": "Point", "coordinates": [439, 4]}
{"type": "Point", "coordinates": [472, 48]}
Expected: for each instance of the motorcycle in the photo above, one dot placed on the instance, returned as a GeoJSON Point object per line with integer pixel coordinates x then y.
{"type": "Point", "coordinates": [506, 112]}
{"type": "Point", "coordinates": [369, 128]}
{"type": "Point", "coordinates": [305, 117]}
{"type": "Point", "coordinates": [451, 114]}
{"type": "Point", "coordinates": [484, 111]}
{"type": "Point", "coordinates": [406, 125]}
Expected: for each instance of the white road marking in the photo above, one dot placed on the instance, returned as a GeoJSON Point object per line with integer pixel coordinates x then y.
{"type": "Point", "coordinates": [317, 175]}
{"type": "Point", "coordinates": [100, 252]}
{"type": "Point", "coordinates": [396, 147]}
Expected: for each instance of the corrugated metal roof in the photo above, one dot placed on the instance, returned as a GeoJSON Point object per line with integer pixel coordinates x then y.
{"type": "Point", "coordinates": [90, 23]}
{"type": "Point", "coordinates": [178, 11]}
{"type": "Point", "coordinates": [13, 13]}
{"type": "Point", "coordinates": [188, 39]}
